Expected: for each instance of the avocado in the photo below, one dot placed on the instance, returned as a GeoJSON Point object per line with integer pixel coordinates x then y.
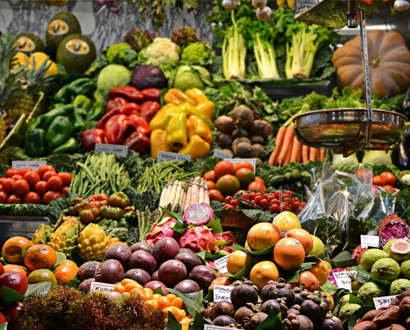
{"type": "Point", "coordinates": [29, 43]}
{"type": "Point", "coordinates": [61, 25]}
{"type": "Point", "coordinates": [76, 52]}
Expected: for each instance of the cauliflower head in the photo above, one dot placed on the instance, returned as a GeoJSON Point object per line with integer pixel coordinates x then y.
{"type": "Point", "coordinates": [197, 53]}
{"type": "Point", "coordinates": [116, 53]}
{"type": "Point", "coordinates": [161, 51]}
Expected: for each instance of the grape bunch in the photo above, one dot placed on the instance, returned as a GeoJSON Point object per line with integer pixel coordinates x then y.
{"type": "Point", "coordinates": [270, 202]}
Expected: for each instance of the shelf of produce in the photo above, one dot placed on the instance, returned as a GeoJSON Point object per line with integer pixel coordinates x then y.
{"type": "Point", "coordinates": [18, 226]}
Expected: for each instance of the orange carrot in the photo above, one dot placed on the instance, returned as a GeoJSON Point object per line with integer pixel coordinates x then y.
{"type": "Point", "coordinates": [312, 154]}
{"type": "Point", "coordinates": [288, 155]}
{"type": "Point", "coordinates": [287, 142]}
{"type": "Point", "coordinates": [305, 154]}
{"type": "Point", "coordinates": [295, 150]}
{"type": "Point", "coordinates": [278, 141]}
{"type": "Point", "coordinates": [322, 155]}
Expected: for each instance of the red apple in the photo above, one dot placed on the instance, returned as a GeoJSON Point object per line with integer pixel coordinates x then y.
{"type": "Point", "coordinates": [11, 313]}
{"type": "Point", "coordinates": [16, 281]}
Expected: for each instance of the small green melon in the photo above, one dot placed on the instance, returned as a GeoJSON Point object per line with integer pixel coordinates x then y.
{"type": "Point", "coordinates": [61, 25]}
{"type": "Point", "coordinates": [29, 43]}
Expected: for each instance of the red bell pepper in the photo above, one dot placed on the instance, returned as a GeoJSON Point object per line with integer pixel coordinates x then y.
{"type": "Point", "coordinates": [152, 94]}
{"type": "Point", "coordinates": [118, 128]}
{"type": "Point", "coordinates": [107, 116]}
{"type": "Point", "coordinates": [149, 109]}
{"type": "Point", "coordinates": [139, 143]}
{"type": "Point", "coordinates": [91, 137]}
{"type": "Point", "coordinates": [115, 103]}
{"type": "Point", "coordinates": [128, 92]}
{"type": "Point", "coordinates": [141, 124]}
{"type": "Point", "coordinates": [130, 109]}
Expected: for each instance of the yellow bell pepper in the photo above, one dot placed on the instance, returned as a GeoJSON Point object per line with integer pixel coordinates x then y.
{"type": "Point", "coordinates": [159, 142]}
{"type": "Point", "coordinates": [191, 110]}
{"type": "Point", "coordinates": [196, 126]}
{"type": "Point", "coordinates": [202, 102]}
{"type": "Point", "coordinates": [176, 132]}
{"type": "Point", "coordinates": [196, 148]}
{"type": "Point", "coordinates": [177, 97]}
{"type": "Point", "coordinates": [163, 116]}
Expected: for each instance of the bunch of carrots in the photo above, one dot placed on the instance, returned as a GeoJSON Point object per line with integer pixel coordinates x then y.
{"type": "Point", "coordinates": [288, 149]}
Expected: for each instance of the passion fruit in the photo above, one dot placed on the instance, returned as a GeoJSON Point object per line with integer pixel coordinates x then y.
{"type": "Point", "coordinates": [223, 308]}
{"type": "Point", "coordinates": [242, 294]}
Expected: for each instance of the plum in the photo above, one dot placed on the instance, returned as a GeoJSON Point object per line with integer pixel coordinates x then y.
{"type": "Point", "coordinates": [119, 252]}
{"type": "Point", "coordinates": [202, 275]}
{"type": "Point", "coordinates": [87, 270]}
{"type": "Point", "coordinates": [143, 260]}
{"type": "Point", "coordinates": [154, 276]}
{"type": "Point", "coordinates": [190, 260]}
{"type": "Point", "coordinates": [171, 272]}
{"type": "Point", "coordinates": [165, 249]}
{"type": "Point", "coordinates": [187, 286]}
{"type": "Point", "coordinates": [139, 275]}
{"type": "Point", "coordinates": [110, 271]}
{"type": "Point", "coordinates": [155, 285]}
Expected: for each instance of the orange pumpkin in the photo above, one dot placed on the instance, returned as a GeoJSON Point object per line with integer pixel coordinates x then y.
{"type": "Point", "coordinates": [389, 62]}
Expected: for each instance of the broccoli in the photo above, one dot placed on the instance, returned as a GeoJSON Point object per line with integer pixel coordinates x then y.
{"type": "Point", "coordinates": [184, 36]}
{"type": "Point", "coordinates": [139, 39]}
{"type": "Point", "coordinates": [117, 53]}
{"type": "Point", "coordinates": [161, 51]}
{"type": "Point", "coordinates": [196, 53]}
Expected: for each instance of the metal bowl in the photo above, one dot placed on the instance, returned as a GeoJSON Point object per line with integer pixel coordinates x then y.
{"type": "Point", "coordinates": [344, 130]}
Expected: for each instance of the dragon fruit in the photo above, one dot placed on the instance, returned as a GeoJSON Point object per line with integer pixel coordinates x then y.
{"type": "Point", "coordinates": [226, 236]}
{"type": "Point", "coordinates": [331, 277]}
{"type": "Point", "coordinates": [164, 228]}
{"type": "Point", "coordinates": [393, 229]}
{"type": "Point", "coordinates": [199, 239]}
{"type": "Point", "coordinates": [386, 220]}
{"type": "Point", "coordinates": [358, 253]}
{"type": "Point", "coordinates": [199, 214]}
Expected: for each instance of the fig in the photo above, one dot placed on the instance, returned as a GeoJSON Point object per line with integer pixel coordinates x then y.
{"type": "Point", "coordinates": [257, 139]}
{"type": "Point", "coordinates": [224, 321]}
{"type": "Point", "coordinates": [331, 323]}
{"type": "Point", "coordinates": [313, 311]}
{"type": "Point", "coordinates": [171, 272]}
{"type": "Point", "coordinates": [119, 252]}
{"type": "Point", "coordinates": [243, 150]}
{"type": "Point", "coordinates": [190, 260]}
{"type": "Point", "coordinates": [187, 286]}
{"type": "Point", "coordinates": [139, 275]}
{"type": "Point", "coordinates": [87, 270]}
{"type": "Point", "coordinates": [143, 260]}
{"type": "Point", "coordinates": [242, 294]}
{"type": "Point", "coordinates": [222, 308]}
{"type": "Point", "coordinates": [239, 132]}
{"type": "Point", "coordinates": [257, 151]}
{"type": "Point", "coordinates": [225, 140]}
{"type": "Point", "coordinates": [224, 124]}
{"type": "Point", "coordinates": [255, 320]}
{"type": "Point", "coordinates": [262, 127]}
{"type": "Point", "coordinates": [155, 285]}
{"type": "Point", "coordinates": [85, 285]}
{"type": "Point", "coordinates": [242, 117]}
{"type": "Point", "coordinates": [239, 140]}
{"type": "Point", "coordinates": [165, 249]}
{"type": "Point", "coordinates": [141, 246]}
{"type": "Point", "coordinates": [109, 271]}
{"type": "Point", "coordinates": [154, 276]}
{"type": "Point", "coordinates": [202, 275]}
{"type": "Point", "coordinates": [365, 325]}
{"type": "Point", "coordinates": [400, 250]}
{"type": "Point", "coordinates": [243, 313]}
{"type": "Point", "coordinates": [405, 306]}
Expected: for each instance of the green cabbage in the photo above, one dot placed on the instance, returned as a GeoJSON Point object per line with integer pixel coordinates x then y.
{"type": "Point", "coordinates": [112, 76]}
{"type": "Point", "coordinates": [187, 77]}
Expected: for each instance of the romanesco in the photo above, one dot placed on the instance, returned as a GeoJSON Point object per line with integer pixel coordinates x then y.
{"type": "Point", "coordinates": [116, 54]}
{"type": "Point", "coordinates": [160, 51]}
{"type": "Point", "coordinates": [197, 53]}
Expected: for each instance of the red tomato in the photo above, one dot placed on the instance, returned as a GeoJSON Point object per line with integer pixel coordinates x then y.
{"type": "Point", "coordinates": [389, 188]}
{"type": "Point", "coordinates": [32, 198]}
{"type": "Point", "coordinates": [210, 176]}
{"type": "Point", "coordinates": [32, 178]}
{"type": "Point", "coordinates": [10, 172]}
{"type": "Point", "coordinates": [1, 187]}
{"type": "Point", "coordinates": [64, 191]}
{"type": "Point", "coordinates": [13, 199]}
{"type": "Point", "coordinates": [65, 177]}
{"type": "Point", "coordinates": [390, 178]}
{"type": "Point", "coordinates": [45, 168]}
{"type": "Point", "coordinates": [48, 175]}
{"type": "Point", "coordinates": [17, 177]}
{"type": "Point", "coordinates": [222, 168]}
{"type": "Point", "coordinates": [21, 187]}
{"type": "Point", "coordinates": [25, 170]}
{"type": "Point", "coordinates": [211, 185]}
{"type": "Point", "coordinates": [2, 180]}
{"type": "Point", "coordinates": [8, 185]}
{"type": "Point", "coordinates": [378, 180]}
{"type": "Point", "coordinates": [243, 164]}
{"type": "Point", "coordinates": [41, 188]}
{"type": "Point", "coordinates": [258, 186]}
{"type": "Point", "coordinates": [363, 174]}
{"type": "Point", "coordinates": [3, 197]}
{"type": "Point", "coordinates": [259, 179]}
{"type": "Point", "coordinates": [49, 196]}
{"type": "Point", "coordinates": [54, 183]}
{"type": "Point", "coordinates": [216, 195]}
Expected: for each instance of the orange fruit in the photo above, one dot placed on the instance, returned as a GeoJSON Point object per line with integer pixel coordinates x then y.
{"type": "Point", "coordinates": [171, 296]}
{"type": "Point", "coordinates": [65, 273]}
{"type": "Point", "coordinates": [177, 302]}
{"type": "Point", "coordinates": [163, 303]}
{"type": "Point", "coordinates": [13, 249]}
{"type": "Point", "coordinates": [309, 280]}
{"type": "Point", "coordinates": [303, 237]}
{"type": "Point", "coordinates": [68, 263]}
{"type": "Point", "coordinates": [263, 235]}
{"type": "Point", "coordinates": [10, 268]}
{"type": "Point", "coordinates": [321, 271]}
{"type": "Point", "coordinates": [263, 272]}
{"type": "Point", "coordinates": [152, 303]}
{"type": "Point", "coordinates": [237, 260]}
{"type": "Point", "coordinates": [40, 256]}
{"type": "Point", "coordinates": [289, 254]}
{"type": "Point", "coordinates": [148, 293]}
{"type": "Point", "coordinates": [173, 310]}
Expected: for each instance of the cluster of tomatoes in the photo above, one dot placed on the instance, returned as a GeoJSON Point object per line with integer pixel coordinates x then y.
{"type": "Point", "coordinates": [270, 202]}
{"type": "Point", "coordinates": [386, 180]}
{"type": "Point", "coordinates": [33, 187]}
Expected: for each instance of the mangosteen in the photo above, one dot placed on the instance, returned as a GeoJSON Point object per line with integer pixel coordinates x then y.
{"type": "Point", "coordinates": [242, 313]}
{"type": "Point", "coordinates": [242, 294]}
{"type": "Point", "coordinates": [284, 291]}
{"type": "Point", "coordinates": [222, 308]}
{"type": "Point", "coordinates": [239, 132]}
{"type": "Point", "coordinates": [298, 322]}
{"type": "Point", "coordinates": [224, 124]}
{"type": "Point", "coordinates": [225, 140]}
{"type": "Point", "coordinates": [224, 321]}
{"type": "Point", "coordinates": [255, 320]}
{"type": "Point", "coordinates": [257, 139]}
{"type": "Point", "coordinates": [331, 323]}
{"type": "Point", "coordinates": [257, 151]}
{"type": "Point", "coordinates": [313, 311]}
{"type": "Point", "coordinates": [295, 309]}
{"type": "Point", "coordinates": [242, 116]}
{"type": "Point", "coordinates": [298, 299]}
{"type": "Point", "coordinates": [243, 150]}
{"type": "Point", "coordinates": [271, 305]}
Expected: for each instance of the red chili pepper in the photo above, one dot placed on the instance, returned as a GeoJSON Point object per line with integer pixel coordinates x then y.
{"type": "Point", "coordinates": [130, 109]}
{"type": "Point", "coordinates": [141, 124]}
{"type": "Point", "coordinates": [152, 94]}
{"type": "Point", "coordinates": [139, 143]}
{"type": "Point", "coordinates": [107, 116]}
{"type": "Point", "coordinates": [149, 109]}
{"type": "Point", "coordinates": [118, 128]}
{"type": "Point", "coordinates": [115, 103]}
{"type": "Point", "coordinates": [91, 137]}
{"type": "Point", "coordinates": [128, 92]}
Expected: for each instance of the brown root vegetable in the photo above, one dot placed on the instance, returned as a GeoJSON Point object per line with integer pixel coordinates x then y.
{"type": "Point", "coordinates": [257, 139]}
{"type": "Point", "coordinates": [239, 140]}
{"type": "Point", "coordinates": [389, 316]}
{"type": "Point", "coordinates": [257, 151]}
{"type": "Point", "coordinates": [263, 128]}
{"type": "Point", "coordinates": [239, 132]}
{"type": "Point", "coordinates": [243, 150]}
{"type": "Point", "coordinates": [397, 327]}
{"type": "Point", "coordinates": [365, 325]}
{"type": "Point", "coordinates": [242, 117]}
{"type": "Point", "coordinates": [225, 140]}
{"type": "Point", "coordinates": [369, 316]}
{"type": "Point", "coordinates": [224, 124]}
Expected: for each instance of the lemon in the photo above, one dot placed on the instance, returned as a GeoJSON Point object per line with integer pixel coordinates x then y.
{"type": "Point", "coordinates": [286, 221]}
{"type": "Point", "coordinates": [20, 59]}
{"type": "Point", "coordinates": [52, 70]}
{"type": "Point", "coordinates": [42, 275]}
{"type": "Point", "coordinates": [319, 249]}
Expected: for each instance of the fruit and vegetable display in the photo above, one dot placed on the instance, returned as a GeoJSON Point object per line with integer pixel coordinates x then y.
{"type": "Point", "coordinates": [167, 186]}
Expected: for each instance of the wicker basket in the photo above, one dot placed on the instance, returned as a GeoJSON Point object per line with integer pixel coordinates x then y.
{"type": "Point", "coordinates": [236, 220]}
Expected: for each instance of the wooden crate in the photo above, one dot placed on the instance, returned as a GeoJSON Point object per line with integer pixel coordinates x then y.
{"type": "Point", "coordinates": [236, 220]}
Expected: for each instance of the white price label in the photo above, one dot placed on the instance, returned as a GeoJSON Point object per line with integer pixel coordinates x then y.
{"type": "Point", "coordinates": [118, 150]}
{"type": "Point", "coordinates": [249, 160]}
{"type": "Point", "coordinates": [221, 154]}
{"type": "Point", "coordinates": [222, 264]}
{"type": "Point", "coordinates": [381, 302]}
{"type": "Point", "coordinates": [34, 165]}
{"type": "Point", "coordinates": [214, 327]}
{"type": "Point", "coordinates": [344, 279]}
{"type": "Point", "coordinates": [101, 287]}
{"type": "Point", "coordinates": [222, 293]}
{"type": "Point", "coordinates": [369, 241]}
{"type": "Point", "coordinates": [171, 157]}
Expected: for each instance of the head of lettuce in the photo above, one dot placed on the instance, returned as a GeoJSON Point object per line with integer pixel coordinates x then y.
{"type": "Point", "coordinates": [112, 76]}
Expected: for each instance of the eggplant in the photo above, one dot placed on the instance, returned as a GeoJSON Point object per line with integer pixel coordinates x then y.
{"type": "Point", "coordinates": [402, 155]}
{"type": "Point", "coordinates": [405, 110]}
{"type": "Point", "coordinates": [406, 135]}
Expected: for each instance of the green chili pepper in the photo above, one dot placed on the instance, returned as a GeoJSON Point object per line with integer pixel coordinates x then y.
{"type": "Point", "coordinates": [70, 147]}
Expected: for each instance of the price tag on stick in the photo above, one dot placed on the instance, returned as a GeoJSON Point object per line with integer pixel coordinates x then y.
{"type": "Point", "coordinates": [34, 165]}
{"type": "Point", "coordinates": [222, 293]}
{"type": "Point", "coordinates": [170, 157]}
{"type": "Point", "coordinates": [222, 264]}
{"type": "Point", "coordinates": [369, 241]}
{"type": "Point", "coordinates": [381, 302]}
{"type": "Point", "coordinates": [101, 287]}
{"type": "Point", "coordinates": [118, 150]}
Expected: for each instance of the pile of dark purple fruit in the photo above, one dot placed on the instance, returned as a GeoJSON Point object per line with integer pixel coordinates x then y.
{"type": "Point", "coordinates": [300, 309]}
{"type": "Point", "coordinates": [166, 265]}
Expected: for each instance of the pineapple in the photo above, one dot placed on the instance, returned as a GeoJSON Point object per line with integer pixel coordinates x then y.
{"type": "Point", "coordinates": [93, 242]}
{"type": "Point", "coordinates": [64, 237]}
{"type": "Point", "coordinates": [41, 234]}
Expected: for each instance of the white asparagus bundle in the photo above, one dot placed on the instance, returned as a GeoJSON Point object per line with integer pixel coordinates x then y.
{"type": "Point", "coordinates": [172, 194]}
{"type": "Point", "coordinates": [183, 196]}
{"type": "Point", "coordinates": [163, 202]}
{"type": "Point", "coordinates": [179, 195]}
{"type": "Point", "coordinates": [195, 191]}
{"type": "Point", "coordinates": [188, 194]}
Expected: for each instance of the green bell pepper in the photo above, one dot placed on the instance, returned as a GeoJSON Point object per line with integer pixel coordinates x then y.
{"type": "Point", "coordinates": [70, 147]}
{"type": "Point", "coordinates": [55, 106]}
{"type": "Point", "coordinates": [78, 122]}
{"type": "Point", "coordinates": [35, 142]}
{"type": "Point", "coordinates": [63, 95]}
{"type": "Point", "coordinates": [37, 123]}
{"type": "Point", "coordinates": [96, 112]}
{"type": "Point", "coordinates": [59, 132]}
{"type": "Point", "coordinates": [81, 105]}
{"type": "Point", "coordinates": [82, 86]}
{"type": "Point", "coordinates": [66, 110]}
